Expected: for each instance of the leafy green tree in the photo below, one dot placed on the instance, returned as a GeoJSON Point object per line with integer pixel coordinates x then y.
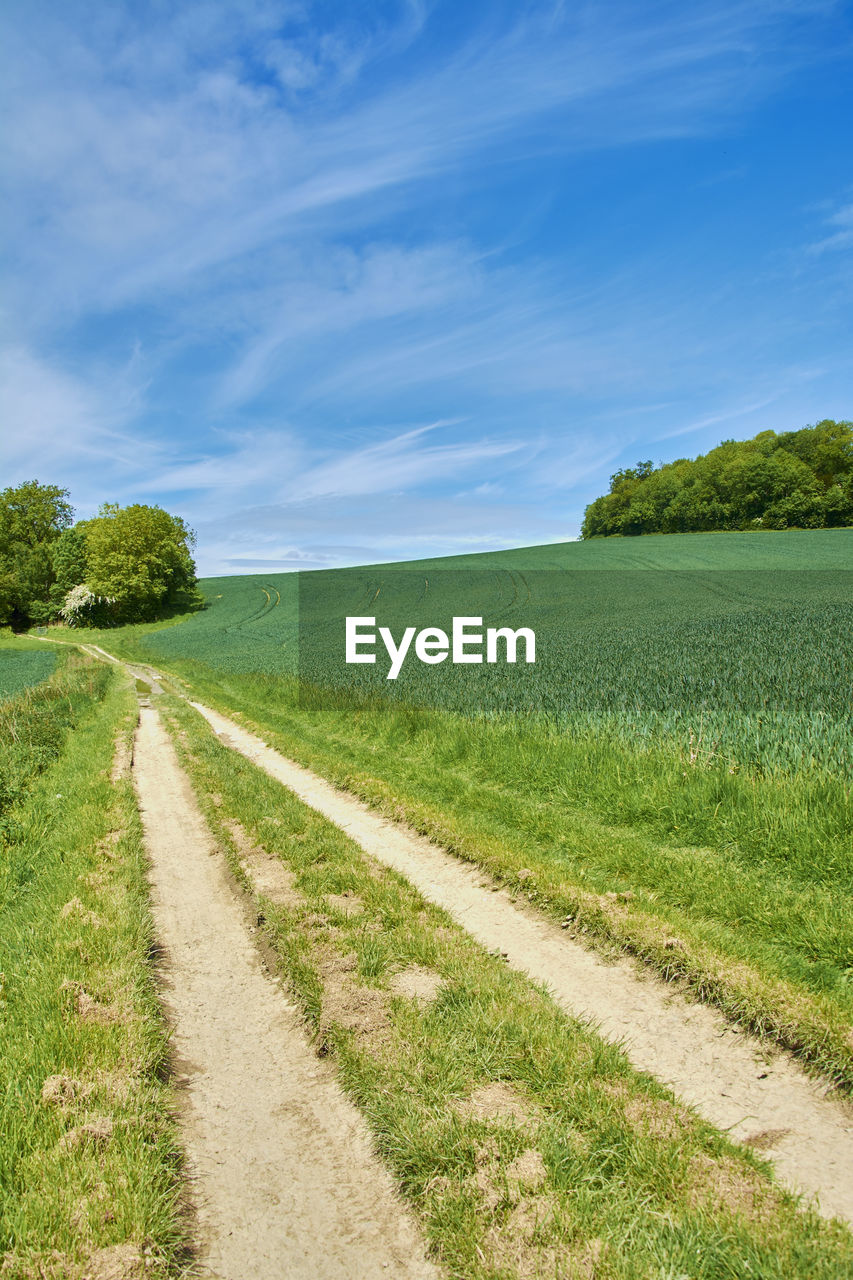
{"type": "Point", "coordinates": [826, 448]}
{"type": "Point", "coordinates": [838, 503]}
{"type": "Point", "coordinates": [32, 518]}
{"type": "Point", "coordinates": [140, 559]}
{"type": "Point", "coordinates": [756, 483]}
{"type": "Point", "coordinates": [799, 479]}
{"type": "Point", "coordinates": [70, 564]}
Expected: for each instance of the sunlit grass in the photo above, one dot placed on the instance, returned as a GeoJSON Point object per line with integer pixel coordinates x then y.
{"type": "Point", "coordinates": [685, 744]}
{"type": "Point", "coordinates": [89, 1158]}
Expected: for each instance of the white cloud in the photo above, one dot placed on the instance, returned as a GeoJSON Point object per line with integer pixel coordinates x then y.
{"type": "Point", "coordinates": [60, 425]}
{"type": "Point", "coordinates": [317, 302]}
{"type": "Point", "coordinates": [253, 461]}
{"type": "Point", "coordinates": [278, 466]}
{"type": "Point", "coordinates": [403, 462]}
{"type": "Point", "coordinates": [841, 236]}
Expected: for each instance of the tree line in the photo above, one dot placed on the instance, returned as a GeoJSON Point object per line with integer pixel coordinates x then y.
{"type": "Point", "coordinates": [127, 564]}
{"type": "Point", "coordinates": [795, 479]}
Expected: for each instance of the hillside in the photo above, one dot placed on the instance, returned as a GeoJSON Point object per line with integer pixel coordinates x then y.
{"type": "Point", "coordinates": [633, 636]}
{"type": "Point", "coordinates": [669, 779]}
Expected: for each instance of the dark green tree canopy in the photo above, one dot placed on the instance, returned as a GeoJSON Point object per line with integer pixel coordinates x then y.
{"type": "Point", "coordinates": [126, 564]}
{"type": "Point", "coordinates": [32, 518]}
{"type": "Point", "coordinates": [799, 479]}
{"type": "Point", "coordinates": [68, 556]}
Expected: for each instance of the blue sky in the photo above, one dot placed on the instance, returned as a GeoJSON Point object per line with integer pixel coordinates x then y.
{"type": "Point", "coordinates": [348, 282]}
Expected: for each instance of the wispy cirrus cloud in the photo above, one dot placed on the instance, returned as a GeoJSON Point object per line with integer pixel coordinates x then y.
{"type": "Point", "coordinates": [167, 150]}
{"type": "Point", "coordinates": [841, 232]}
{"type": "Point", "coordinates": [281, 464]}
{"type": "Point", "coordinates": [400, 463]}
{"type": "Point", "coordinates": [346, 294]}
{"type": "Point", "coordinates": [53, 417]}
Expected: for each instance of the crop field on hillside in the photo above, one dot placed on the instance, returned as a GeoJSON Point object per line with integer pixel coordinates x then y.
{"type": "Point", "coordinates": [751, 666]}
{"type": "Point", "coordinates": [750, 661]}
{"type": "Point", "coordinates": [23, 665]}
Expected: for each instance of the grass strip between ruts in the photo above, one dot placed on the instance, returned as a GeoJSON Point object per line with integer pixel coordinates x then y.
{"type": "Point", "coordinates": [526, 1145]}
{"type": "Point", "coordinates": [90, 1165]}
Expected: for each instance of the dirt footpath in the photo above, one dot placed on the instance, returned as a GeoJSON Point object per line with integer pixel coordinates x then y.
{"type": "Point", "coordinates": [740, 1085]}
{"type": "Point", "coordinates": [282, 1172]}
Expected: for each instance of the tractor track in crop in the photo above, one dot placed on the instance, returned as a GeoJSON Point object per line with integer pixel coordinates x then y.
{"type": "Point", "coordinates": [261, 612]}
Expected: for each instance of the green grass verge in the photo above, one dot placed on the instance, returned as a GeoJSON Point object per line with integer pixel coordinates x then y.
{"type": "Point", "coordinates": [90, 1168]}
{"type": "Point", "coordinates": [34, 726]}
{"type": "Point", "coordinates": [525, 1144]}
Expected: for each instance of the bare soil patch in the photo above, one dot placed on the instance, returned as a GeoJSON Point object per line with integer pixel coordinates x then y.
{"type": "Point", "coordinates": [88, 1008]}
{"type": "Point", "coordinates": [349, 904]}
{"type": "Point", "coordinates": [417, 983]}
{"type": "Point", "coordinates": [497, 1102]}
{"type": "Point", "coordinates": [346, 1002]}
{"type": "Point", "coordinates": [519, 1213]}
{"type": "Point", "coordinates": [118, 1262]}
{"type": "Point", "coordinates": [268, 874]}
{"type": "Point", "coordinates": [528, 1169]}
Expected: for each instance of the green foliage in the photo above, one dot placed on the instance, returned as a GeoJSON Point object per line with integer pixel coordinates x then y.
{"type": "Point", "coordinates": [131, 563]}
{"type": "Point", "coordinates": [74, 904]}
{"type": "Point", "coordinates": [34, 725]}
{"type": "Point", "coordinates": [32, 518]}
{"type": "Point", "coordinates": [799, 479]}
{"type": "Point", "coordinates": [140, 558]}
{"type": "Point", "coordinates": [70, 563]}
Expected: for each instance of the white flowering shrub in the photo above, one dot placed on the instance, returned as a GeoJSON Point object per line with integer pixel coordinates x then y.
{"type": "Point", "coordinates": [81, 605]}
